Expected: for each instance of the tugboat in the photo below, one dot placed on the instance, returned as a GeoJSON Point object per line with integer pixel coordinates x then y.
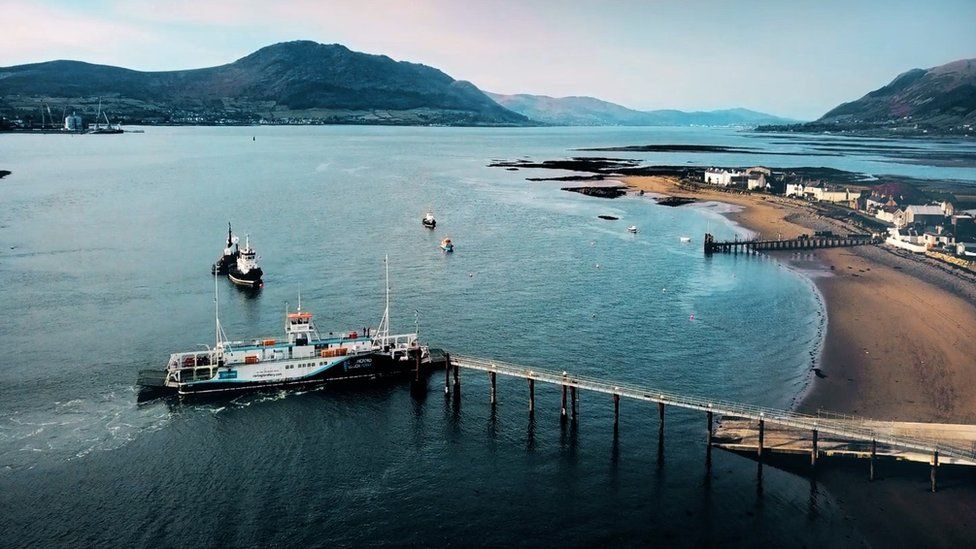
{"type": "Point", "coordinates": [229, 257]}
{"type": "Point", "coordinates": [429, 221]}
{"type": "Point", "coordinates": [303, 358]}
{"type": "Point", "coordinates": [447, 245]}
{"type": "Point", "coordinates": [245, 271]}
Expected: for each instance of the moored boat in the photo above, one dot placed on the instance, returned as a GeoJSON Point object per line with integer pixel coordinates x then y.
{"type": "Point", "coordinates": [429, 221]}
{"type": "Point", "coordinates": [632, 229]}
{"type": "Point", "coordinates": [447, 245]}
{"type": "Point", "coordinates": [245, 271]}
{"type": "Point", "coordinates": [303, 357]}
{"type": "Point", "coordinates": [685, 239]}
{"type": "Point", "coordinates": [228, 257]}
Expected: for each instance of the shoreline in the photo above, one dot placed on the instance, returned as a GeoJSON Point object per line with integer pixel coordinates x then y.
{"type": "Point", "coordinates": [898, 344]}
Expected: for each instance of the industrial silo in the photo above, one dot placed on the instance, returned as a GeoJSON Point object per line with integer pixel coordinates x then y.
{"type": "Point", "coordinates": [73, 123]}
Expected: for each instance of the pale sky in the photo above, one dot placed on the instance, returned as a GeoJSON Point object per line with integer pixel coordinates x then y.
{"type": "Point", "coordinates": [791, 58]}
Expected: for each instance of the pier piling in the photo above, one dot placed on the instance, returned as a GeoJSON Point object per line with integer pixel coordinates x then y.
{"type": "Point", "coordinates": [457, 378]}
{"type": "Point", "coordinates": [562, 413]}
{"type": "Point", "coordinates": [572, 398]}
{"type": "Point", "coordinates": [813, 450]}
{"type": "Point", "coordinates": [762, 433]}
{"type": "Point", "coordinates": [492, 376]}
{"type": "Point", "coordinates": [616, 412]}
{"type": "Point", "coordinates": [447, 375]}
{"type": "Point", "coordinates": [708, 442]}
{"type": "Point", "coordinates": [531, 396]}
{"type": "Point", "coordinates": [874, 454]}
{"type": "Point", "coordinates": [935, 463]}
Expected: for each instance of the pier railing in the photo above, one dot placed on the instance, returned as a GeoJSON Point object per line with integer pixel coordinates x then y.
{"type": "Point", "coordinates": [869, 431]}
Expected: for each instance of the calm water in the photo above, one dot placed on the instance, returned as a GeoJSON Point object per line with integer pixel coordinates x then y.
{"type": "Point", "coordinates": [105, 247]}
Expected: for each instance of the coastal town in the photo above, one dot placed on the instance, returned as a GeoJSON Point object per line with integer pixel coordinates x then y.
{"type": "Point", "coordinates": [901, 215]}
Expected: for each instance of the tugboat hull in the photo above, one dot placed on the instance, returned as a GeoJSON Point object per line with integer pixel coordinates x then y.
{"type": "Point", "coordinates": [251, 278]}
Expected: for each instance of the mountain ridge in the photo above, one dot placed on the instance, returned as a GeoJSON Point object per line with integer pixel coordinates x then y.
{"type": "Point", "coordinates": [301, 80]}
{"type": "Point", "coordinates": [590, 111]}
{"type": "Point", "coordinates": [939, 100]}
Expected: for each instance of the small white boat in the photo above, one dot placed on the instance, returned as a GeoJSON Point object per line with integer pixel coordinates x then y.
{"type": "Point", "coordinates": [685, 239]}
{"type": "Point", "coordinates": [429, 221]}
{"type": "Point", "coordinates": [632, 229]}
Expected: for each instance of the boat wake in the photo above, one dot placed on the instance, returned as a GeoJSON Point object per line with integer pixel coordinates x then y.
{"type": "Point", "coordinates": [72, 429]}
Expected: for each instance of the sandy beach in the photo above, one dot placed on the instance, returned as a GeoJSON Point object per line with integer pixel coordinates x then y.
{"type": "Point", "coordinates": [900, 345]}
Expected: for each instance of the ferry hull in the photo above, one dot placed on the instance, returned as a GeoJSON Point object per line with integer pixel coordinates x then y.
{"type": "Point", "coordinates": [365, 367]}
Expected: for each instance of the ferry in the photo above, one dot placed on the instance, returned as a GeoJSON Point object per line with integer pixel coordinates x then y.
{"type": "Point", "coordinates": [245, 271]}
{"type": "Point", "coordinates": [429, 221]}
{"type": "Point", "coordinates": [229, 257]}
{"type": "Point", "coordinates": [303, 357]}
{"type": "Point", "coordinates": [447, 245]}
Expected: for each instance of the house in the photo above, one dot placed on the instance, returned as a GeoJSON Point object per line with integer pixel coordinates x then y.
{"type": "Point", "coordinates": [721, 177]}
{"type": "Point", "coordinates": [963, 226]}
{"type": "Point", "coordinates": [756, 181]}
{"type": "Point", "coordinates": [886, 213]}
{"type": "Point", "coordinates": [966, 249]}
{"type": "Point", "coordinates": [931, 214]}
{"type": "Point", "coordinates": [873, 203]}
{"type": "Point", "coordinates": [906, 239]}
{"type": "Point", "coordinates": [937, 237]}
{"type": "Point", "coordinates": [823, 193]}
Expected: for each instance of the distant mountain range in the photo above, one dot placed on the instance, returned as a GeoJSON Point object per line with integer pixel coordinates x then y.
{"type": "Point", "coordinates": [589, 111]}
{"type": "Point", "coordinates": [936, 101]}
{"type": "Point", "coordinates": [288, 82]}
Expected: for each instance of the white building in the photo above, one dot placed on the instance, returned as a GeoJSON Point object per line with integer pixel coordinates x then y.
{"type": "Point", "coordinates": [906, 239]}
{"type": "Point", "coordinates": [822, 193]}
{"type": "Point", "coordinates": [757, 181]}
{"type": "Point", "coordinates": [722, 178]}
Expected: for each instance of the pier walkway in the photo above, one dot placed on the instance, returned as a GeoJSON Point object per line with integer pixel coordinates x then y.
{"type": "Point", "coordinates": [745, 424]}
{"type": "Point", "coordinates": [806, 243]}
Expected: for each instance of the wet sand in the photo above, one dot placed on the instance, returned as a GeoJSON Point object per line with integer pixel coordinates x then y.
{"type": "Point", "coordinates": [900, 345]}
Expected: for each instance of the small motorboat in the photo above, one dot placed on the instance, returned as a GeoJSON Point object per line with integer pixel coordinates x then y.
{"type": "Point", "coordinates": [429, 221]}
{"type": "Point", "coordinates": [685, 239]}
{"type": "Point", "coordinates": [447, 245]}
{"type": "Point", "coordinates": [632, 229]}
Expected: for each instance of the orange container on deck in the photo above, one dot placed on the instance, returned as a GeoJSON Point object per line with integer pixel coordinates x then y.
{"type": "Point", "coordinates": [269, 342]}
{"type": "Point", "coordinates": [251, 359]}
{"type": "Point", "coordinates": [333, 352]}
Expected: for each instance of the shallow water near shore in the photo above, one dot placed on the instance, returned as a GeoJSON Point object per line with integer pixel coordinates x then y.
{"type": "Point", "coordinates": [105, 247]}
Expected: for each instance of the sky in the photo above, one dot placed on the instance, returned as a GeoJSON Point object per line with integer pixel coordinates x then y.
{"type": "Point", "coordinates": [794, 58]}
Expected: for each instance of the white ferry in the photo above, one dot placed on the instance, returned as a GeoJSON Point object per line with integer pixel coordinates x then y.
{"type": "Point", "coordinates": [302, 357]}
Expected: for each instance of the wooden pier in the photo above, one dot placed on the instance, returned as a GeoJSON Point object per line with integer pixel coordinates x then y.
{"type": "Point", "coordinates": [747, 427]}
{"type": "Point", "coordinates": [713, 246]}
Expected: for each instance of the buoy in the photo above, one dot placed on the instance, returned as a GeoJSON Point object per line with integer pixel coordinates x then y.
{"type": "Point", "coordinates": [470, 275]}
{"type": "Point", "coordinates": [692, 317]}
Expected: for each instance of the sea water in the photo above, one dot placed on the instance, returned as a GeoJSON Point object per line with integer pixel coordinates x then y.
{"type": "Point", "coordinates": [105, 251]}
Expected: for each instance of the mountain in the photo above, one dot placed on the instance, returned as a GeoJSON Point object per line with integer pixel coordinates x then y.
{"type": "Point", "coordinates": [589, 111]}
{"type": "Point", "coordinates": [936, 101]}
{"type": "Point", "coordinates": [291, 81]}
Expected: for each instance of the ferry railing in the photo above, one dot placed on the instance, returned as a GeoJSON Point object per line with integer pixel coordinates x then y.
{"type": "Point", "coordinates": [858, 428]}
